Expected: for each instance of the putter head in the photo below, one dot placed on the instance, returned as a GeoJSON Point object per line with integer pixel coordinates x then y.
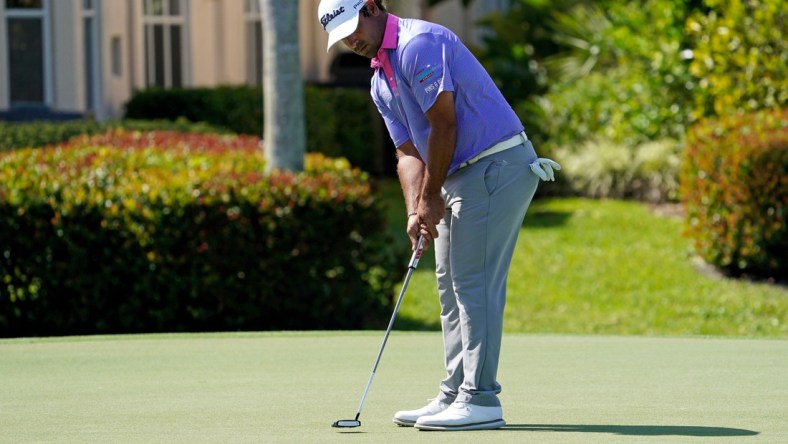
{"type": "Point", "coordinates": [347, 423]}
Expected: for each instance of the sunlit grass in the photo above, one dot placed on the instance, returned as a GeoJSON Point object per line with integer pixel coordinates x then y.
{"type": "Point", "coordinates": [608, 267]}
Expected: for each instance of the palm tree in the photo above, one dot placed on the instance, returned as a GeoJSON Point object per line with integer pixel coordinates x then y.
{"type": "Point", "coordinates": [283, 90]}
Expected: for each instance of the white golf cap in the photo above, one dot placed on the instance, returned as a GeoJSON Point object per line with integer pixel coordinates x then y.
{"type": "Point", "coordinates": [339, 18]}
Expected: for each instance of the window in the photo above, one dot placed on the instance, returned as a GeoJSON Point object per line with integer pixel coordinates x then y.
{"type": "Point", "coordinates": [24, 4]}
{"type": "Point", "coordinates": [91, 54]}
{"type": "Point", "coordinates": [164, 32]}
{"type": "Point", "coordinates": [254, 42]}
{"type": "Point", "coordinates": [117, 57]}
{"type": "Point", "coordinates": [28, 52]}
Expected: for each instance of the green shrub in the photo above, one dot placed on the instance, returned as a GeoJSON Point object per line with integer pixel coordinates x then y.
{"type": "Point", "coordinates": [615, 110]}
{"type": "Point", "coordinates": [735, 189]}
{"type": "Point", "coordinates": [36, 134]}
{"type": "Point", "coordinates": [515, 50]}
{"type": "Point", "coordinates": [343, 122]}
{"type": "Point", "coordinates": [235, 108]}
{"type": "Point", "coordinates": [621, 77]}
{"type": "Point", "coordinates": [160, 231]}
{"type": "Point", "coordinates": [740, 57]}
{"type": "Point", "coordinates": [603, 169]}
{"type": "Point", "coordinates": [617, 105]}
{"type": "Point", "coordinates": [177, 125]}
{"type": "Point", "coordinates": [340, 122]}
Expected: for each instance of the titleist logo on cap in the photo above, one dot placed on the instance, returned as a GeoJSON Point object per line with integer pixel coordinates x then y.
{"type": "Point", "coordinates": [326, 19]}
{"type": "Point", "coordinates": [330, 16]}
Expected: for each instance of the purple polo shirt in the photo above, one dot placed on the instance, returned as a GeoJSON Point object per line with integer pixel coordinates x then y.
{"type": "Point", "coordinates": [428, 59]}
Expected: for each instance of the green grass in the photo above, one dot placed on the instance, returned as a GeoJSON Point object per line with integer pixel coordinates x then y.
{"type": "Point", "coordinates": [611, 267]}
{"type": "Point", "coordinates": [581, 267]}
{"type": "Point", "coordinates": [289, 387]}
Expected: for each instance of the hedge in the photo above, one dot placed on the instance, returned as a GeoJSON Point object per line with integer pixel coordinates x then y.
{"type": "Point", "coordinates": [603, 169]}
{"type": "Point", "coordinates": [340, 122]}
{"type": "Point", "coordinates": [40, 133]}
{"type": "Point", "coordinates": [735, 189]}
{"type": "Point", "coordinates": [161, 231]}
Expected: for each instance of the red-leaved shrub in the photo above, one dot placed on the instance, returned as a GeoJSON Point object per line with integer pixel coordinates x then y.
{"type": "Point", "coordinates": [735, 188]}
{"type": "Point", "coordinates": [163, 231]}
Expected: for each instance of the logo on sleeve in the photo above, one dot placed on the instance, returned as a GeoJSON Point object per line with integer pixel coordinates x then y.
{"type": "Point", "coordinates": [426, 73]}
{"type": "Point", "coordinates": [432, 87]}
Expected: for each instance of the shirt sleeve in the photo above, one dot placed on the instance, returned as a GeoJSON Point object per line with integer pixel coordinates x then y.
{"type": "Point", "coordinates": [425, 65]}
{"type": "Point", "coordinates": [397, 131]}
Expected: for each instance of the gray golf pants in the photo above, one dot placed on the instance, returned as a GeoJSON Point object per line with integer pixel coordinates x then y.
{"type": "Point", "coordinates": [486, 203]}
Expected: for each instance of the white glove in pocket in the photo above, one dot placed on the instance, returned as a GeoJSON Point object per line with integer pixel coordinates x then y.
{"type": "Point", "coordinates": [544, 167]}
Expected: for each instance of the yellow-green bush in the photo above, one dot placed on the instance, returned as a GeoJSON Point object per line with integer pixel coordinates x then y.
{"type": "Point", "coordinates": [160, 231]}
{"type": "Point", "coordinates": [740, 56]}
{"type": "Point", "coordinates": [604, 169]}
{"type": "Point", "coordinates": [735, 190]}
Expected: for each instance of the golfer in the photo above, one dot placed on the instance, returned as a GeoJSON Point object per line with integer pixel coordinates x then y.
{"type": "Point", "coordinates": [468, 174]}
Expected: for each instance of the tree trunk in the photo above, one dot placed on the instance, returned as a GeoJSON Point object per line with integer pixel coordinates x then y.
{"type": "Point", "coordinates": [284, 137]}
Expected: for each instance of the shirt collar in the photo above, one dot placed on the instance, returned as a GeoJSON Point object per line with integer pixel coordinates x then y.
{"type": "Point", "coordinates": [390, 38]}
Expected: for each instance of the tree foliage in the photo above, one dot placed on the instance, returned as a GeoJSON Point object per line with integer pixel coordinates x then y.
{"type": "Point", "coordinates": [635, 71]}
{"type": "Point", "coordinates": [622, 76]}
{"type": "Point", "coordinates": [740, 57]}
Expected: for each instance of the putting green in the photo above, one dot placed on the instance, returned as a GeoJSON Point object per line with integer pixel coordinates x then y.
{"type": "Point", "coordinates": [290, 387]}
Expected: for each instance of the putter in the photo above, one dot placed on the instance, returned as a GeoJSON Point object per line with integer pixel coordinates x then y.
{"type": "Point", "coordinates": [414, 261]}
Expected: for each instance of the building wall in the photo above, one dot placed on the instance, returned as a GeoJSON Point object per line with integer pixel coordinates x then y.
{"type": "Point", "coordinates": [217, 42]}
{"type": "Point", "coordinates": [68, 56]}
{"type": "Point", "coordinates": [136, 45]}
{"type": "Point", "coordinates": [232, 64]}
{"type": "Point", "coordinates": [315, 61]}
{"type": "Point", "coordinates": [118, 65]}
{"type": "Point", "coordinates": [215, 50]}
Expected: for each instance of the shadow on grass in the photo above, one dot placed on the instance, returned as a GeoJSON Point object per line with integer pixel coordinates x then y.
{"type": "Point", "coordinates": [632, 430]}
{"type": "Point", "coordinates": [545, 219]}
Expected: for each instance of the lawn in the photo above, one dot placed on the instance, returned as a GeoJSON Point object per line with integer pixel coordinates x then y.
{"type": "Point", "coordinates": [612, 267]}
{"type": "Point", "coordinates": [606, 341]}
{"type": "Point", "coordinates": [289, 387]}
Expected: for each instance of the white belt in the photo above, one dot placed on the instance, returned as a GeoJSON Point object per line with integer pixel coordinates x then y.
{"type": "Point", "coordinates": [497, 148]}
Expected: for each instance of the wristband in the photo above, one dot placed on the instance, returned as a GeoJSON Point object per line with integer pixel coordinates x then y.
{"type": "Point", "coordinates": [412, 214]}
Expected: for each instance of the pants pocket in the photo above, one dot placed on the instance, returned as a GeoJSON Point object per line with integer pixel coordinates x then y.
{"type": "Point", "coordinates": [491, 177]}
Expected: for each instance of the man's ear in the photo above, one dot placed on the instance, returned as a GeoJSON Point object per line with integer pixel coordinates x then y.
{"type": "Point", "coordinates": [370, 9]}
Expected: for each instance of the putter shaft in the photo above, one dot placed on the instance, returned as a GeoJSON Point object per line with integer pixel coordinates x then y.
{"type": "Point", "coordinates": [414, 262]}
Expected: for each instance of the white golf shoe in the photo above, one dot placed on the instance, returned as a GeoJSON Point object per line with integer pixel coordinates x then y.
{"type": "Point", "coordinates": [407, 418]}
{"type": "Point", "coordinates": [463, 416]}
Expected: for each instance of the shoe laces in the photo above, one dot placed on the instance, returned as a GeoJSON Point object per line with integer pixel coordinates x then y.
{"type": "Point", "coordinates": [460, 405]}
{"type": "Point", "coordinates": [434, 401]}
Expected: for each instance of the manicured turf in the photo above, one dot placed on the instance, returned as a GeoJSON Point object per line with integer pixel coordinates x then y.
{"type": "Point", "coordinates": [289, 387]}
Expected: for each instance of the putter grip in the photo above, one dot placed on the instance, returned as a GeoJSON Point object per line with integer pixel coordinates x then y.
{"type": "Point", "coordinates": [414, 260]}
